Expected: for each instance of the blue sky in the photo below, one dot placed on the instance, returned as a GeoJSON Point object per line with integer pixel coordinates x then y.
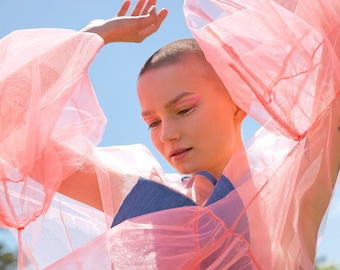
{"type": "Point", "coordinates": [114, 73]}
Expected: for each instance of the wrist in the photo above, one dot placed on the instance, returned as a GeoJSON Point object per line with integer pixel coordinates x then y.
{"type": "Point", "coordinates": [98, 27]}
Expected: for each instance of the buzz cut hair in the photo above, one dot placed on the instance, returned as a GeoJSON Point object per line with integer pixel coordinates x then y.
{"type": "Point", "coordinates": [172, 53]}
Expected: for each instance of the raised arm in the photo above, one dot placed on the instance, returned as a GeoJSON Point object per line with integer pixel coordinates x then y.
{"type": "Point", "coordinates": [324, 140]}
{"type": "Point", "coordinates": [142, 22]}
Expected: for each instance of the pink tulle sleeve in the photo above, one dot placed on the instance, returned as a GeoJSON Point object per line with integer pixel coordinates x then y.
{"type": "Point", "coordinates": [279, 65]}
{"type": "Point", "coordinates": [48, 112]}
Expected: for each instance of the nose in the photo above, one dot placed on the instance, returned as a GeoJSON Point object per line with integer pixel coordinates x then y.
{"type": "Point", "coordinates": [170, 131]}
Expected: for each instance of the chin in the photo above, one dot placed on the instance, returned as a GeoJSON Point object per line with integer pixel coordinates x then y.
{"type": "Point", "coordinates": [186, 170]}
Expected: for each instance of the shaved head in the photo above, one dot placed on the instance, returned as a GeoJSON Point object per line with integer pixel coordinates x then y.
{"type": "Point", "coordinates": [173, 53]}
{"type": "Point", "coordinates": [179, 50]}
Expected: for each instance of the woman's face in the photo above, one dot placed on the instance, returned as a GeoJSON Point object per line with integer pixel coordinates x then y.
{"type": "Point", "coordinates": [190, 115]}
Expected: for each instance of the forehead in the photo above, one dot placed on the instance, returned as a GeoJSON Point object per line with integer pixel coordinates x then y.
{"type": "Point", "coordinates": [180, 75]}
{"type": "Point", "coordinates": [159, 86]}
{"type": "Point", "coordinates": [192, 66]}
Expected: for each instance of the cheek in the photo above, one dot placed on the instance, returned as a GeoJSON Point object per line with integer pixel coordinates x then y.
{"type": "Point", "coordinates": [223, 119]}
{"type": "Point", "coordinates": [208, 123]}
{"type": "Point", "coordinates": [216, 130]}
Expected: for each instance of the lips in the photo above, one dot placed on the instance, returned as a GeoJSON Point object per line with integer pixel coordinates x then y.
{"type": "Point", "coordinates": [179, 153]}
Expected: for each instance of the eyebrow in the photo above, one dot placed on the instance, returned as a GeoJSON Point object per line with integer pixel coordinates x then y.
{"type": "Point", "coordinates": [171, 102]}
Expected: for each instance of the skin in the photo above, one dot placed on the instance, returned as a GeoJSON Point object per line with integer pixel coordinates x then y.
{"type": "Point", "coordinates": [179, 114]}
{"type": "Point", "coordinates": [142, 22]}
{"type": "Point", "coordinates": [193, 123]}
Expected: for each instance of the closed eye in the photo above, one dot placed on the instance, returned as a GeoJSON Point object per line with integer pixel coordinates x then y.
{"type": "Point", "coordinates": [186, 111]}
{"type": "Point", "coordinates": [154, 124]}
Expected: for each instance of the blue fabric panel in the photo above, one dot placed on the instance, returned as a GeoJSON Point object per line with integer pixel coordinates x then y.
{"type": "Point", "coordinates": [221, 189]}
{"type": "Point", "coordinates": [207, 175]}
{"type": "Point", "coordinates": [148, 196]}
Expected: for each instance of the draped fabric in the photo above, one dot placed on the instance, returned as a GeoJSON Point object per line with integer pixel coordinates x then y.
{"type": "Point", "coordinates": [280, 64]}
{"type": "Point", "coordinates": [48, 114]}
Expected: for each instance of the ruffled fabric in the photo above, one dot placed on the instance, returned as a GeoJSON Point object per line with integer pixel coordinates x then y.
{"type": "Point", "coordinates": [280, 63]}
{"type": "Point", "coordinates": [48, 125]}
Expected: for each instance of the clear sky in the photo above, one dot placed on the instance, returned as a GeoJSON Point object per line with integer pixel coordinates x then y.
{"type": "Point", "coordinates": [114, 73]}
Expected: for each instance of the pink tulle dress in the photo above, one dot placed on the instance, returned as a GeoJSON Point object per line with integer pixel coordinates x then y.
{"type": "Point", "coordinates": [280, 63]}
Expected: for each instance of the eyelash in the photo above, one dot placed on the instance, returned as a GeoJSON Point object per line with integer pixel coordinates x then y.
{"type": "Point", "coordinates": [186, 111]}
{"type": "Point", "coordinates": [181, 112]}
{"type": "Point", "coordinates": [154, 124]}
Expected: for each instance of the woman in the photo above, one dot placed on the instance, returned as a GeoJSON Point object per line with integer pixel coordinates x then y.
{"type": "Point", "coordinates": [279, 186]}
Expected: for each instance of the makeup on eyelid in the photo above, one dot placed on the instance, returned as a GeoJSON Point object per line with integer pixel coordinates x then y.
{"type": "Point", "coordinates": [192, 101]}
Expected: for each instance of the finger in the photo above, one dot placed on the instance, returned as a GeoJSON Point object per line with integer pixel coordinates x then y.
{"type": "Point", "coordinates": [155, 26]}
{"type": "Point", "coordinates": [162, 15]}
{"type": "Point", "coordinates": [138, 8]}
{"type": "Point", "coordinates": [148, 5]}
{"type": "Point", "coordinates": [124, 8]}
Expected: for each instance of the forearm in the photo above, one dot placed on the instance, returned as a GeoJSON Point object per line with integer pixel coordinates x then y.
{"type": "Point", "coordinates": [316, 199]}
{"type": "Point", "coordinates": [83, 186]}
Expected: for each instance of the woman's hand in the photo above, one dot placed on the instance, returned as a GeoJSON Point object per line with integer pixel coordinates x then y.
{"type": "Point", "coordinates": [143, 21]}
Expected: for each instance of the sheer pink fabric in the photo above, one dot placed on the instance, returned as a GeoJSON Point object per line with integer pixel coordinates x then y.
{"type": "Point", "coordinates": [280, 65]}
{"type": "Point", "coordinates": [45, 117]}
